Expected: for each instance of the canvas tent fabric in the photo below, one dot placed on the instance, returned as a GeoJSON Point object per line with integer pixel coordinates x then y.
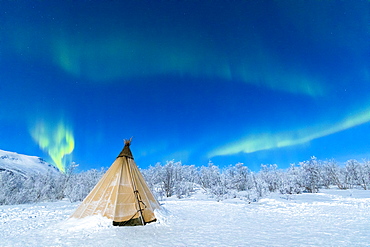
{"type": "Point", "coordinates": [121, 195]}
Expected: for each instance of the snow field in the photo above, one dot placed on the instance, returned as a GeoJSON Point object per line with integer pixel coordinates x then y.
{"type": "Point", "coordinates": [330, 218]}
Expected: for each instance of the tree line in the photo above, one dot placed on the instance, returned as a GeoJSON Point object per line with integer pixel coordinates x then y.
{"type": "Point", "coordinates": [176, 179]}
{"type": "Point", "coordinates": [16, 188]}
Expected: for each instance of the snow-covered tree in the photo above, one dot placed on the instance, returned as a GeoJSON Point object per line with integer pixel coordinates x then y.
{"type": "Point", "coordinates": [213, 181]}
{"type": "Point", "coordinates": [333, 174]}
{"type": "Point", "coordinates": [291, 181]}
{"type": "Point", "coordinates": [271, 176]}
{"type": "Point", "coordinates": [311, 174]}
{"type": "Point", "coordinates": [363, 174]}
{"type": "Point", "coordinates": [351, 173]}
{"type": "Point", "coordinates": [172, 178]}
{"type": "Point", "coordinates": [239, 177]}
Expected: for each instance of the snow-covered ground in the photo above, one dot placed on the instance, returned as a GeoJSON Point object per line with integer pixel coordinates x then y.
{"type": "Point", "coordinates": [330, 218]}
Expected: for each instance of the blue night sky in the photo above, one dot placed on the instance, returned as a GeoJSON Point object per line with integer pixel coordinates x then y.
{"type": "Point", "coordinates": [228, 81]}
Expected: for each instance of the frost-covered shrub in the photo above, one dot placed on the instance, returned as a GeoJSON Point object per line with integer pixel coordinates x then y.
{"type": "Point", "coordinates": [213, 181]}
{"type": "Point", "coordinates": [10, 187]}
{"type": "Point", "coordinates": [357, 174]}
{"type": "Point", "coordinates": [260, 186]}
{"type": "Point", "coordinates": [311, 175]}
{"type": "Point", "coordinates": [170, 179]}
{"type": "Point", "coordinates": [16, 188]}
{"type": "Point", "coordinates": [351, 173]}
{"type": "Point", "coordinates": [186, 177]}
{"type": "Point", "coordinates": [151, 177]}
{"type": "Point", "coordinates": [364, 174]}
{"type": "Point", "coordinates": [209, 176]}
{"type": "Point", "coordinates": [271, 176]}
{"type": "Point", "coordinates": [238, 177]}
{"type": "Point", "coordinates": [332, 174]}
{"type": "Point", "coordinates": [291, 181]}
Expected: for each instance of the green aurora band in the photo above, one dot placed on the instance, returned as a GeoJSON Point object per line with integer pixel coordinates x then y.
{"type": "Point", "coordinates": [57, 141]}
{"type": "Point", "coordinates": [120, 57]}
{"type": "Point", "coordinates": [265, 141]}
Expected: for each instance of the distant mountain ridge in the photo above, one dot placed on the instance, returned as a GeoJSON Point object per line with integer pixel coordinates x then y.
{"type": "Point", "coordinates": [24, 164]}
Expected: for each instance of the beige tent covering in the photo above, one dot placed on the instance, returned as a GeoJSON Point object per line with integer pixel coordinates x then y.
{"type": "Point", "coordinates": [121, 194]}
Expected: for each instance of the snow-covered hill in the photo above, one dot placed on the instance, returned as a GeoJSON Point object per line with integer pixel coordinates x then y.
{"type": "Point", "coordinates": [329, 218]}
{"type": "Point", "coordinates": [24, 164]}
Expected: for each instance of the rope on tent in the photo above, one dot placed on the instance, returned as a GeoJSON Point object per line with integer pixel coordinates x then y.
{"type": "Point", "coordinates": [136, 192]}
{"type": "Point", "coordinates": [139, 199]}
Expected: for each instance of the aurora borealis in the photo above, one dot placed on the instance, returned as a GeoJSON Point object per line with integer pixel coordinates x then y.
{"type": "Point", "coordinates": [228, 81]}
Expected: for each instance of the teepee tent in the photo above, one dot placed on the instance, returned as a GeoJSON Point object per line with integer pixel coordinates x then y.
{"type": "Point", "coordinates": [121, 195]}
